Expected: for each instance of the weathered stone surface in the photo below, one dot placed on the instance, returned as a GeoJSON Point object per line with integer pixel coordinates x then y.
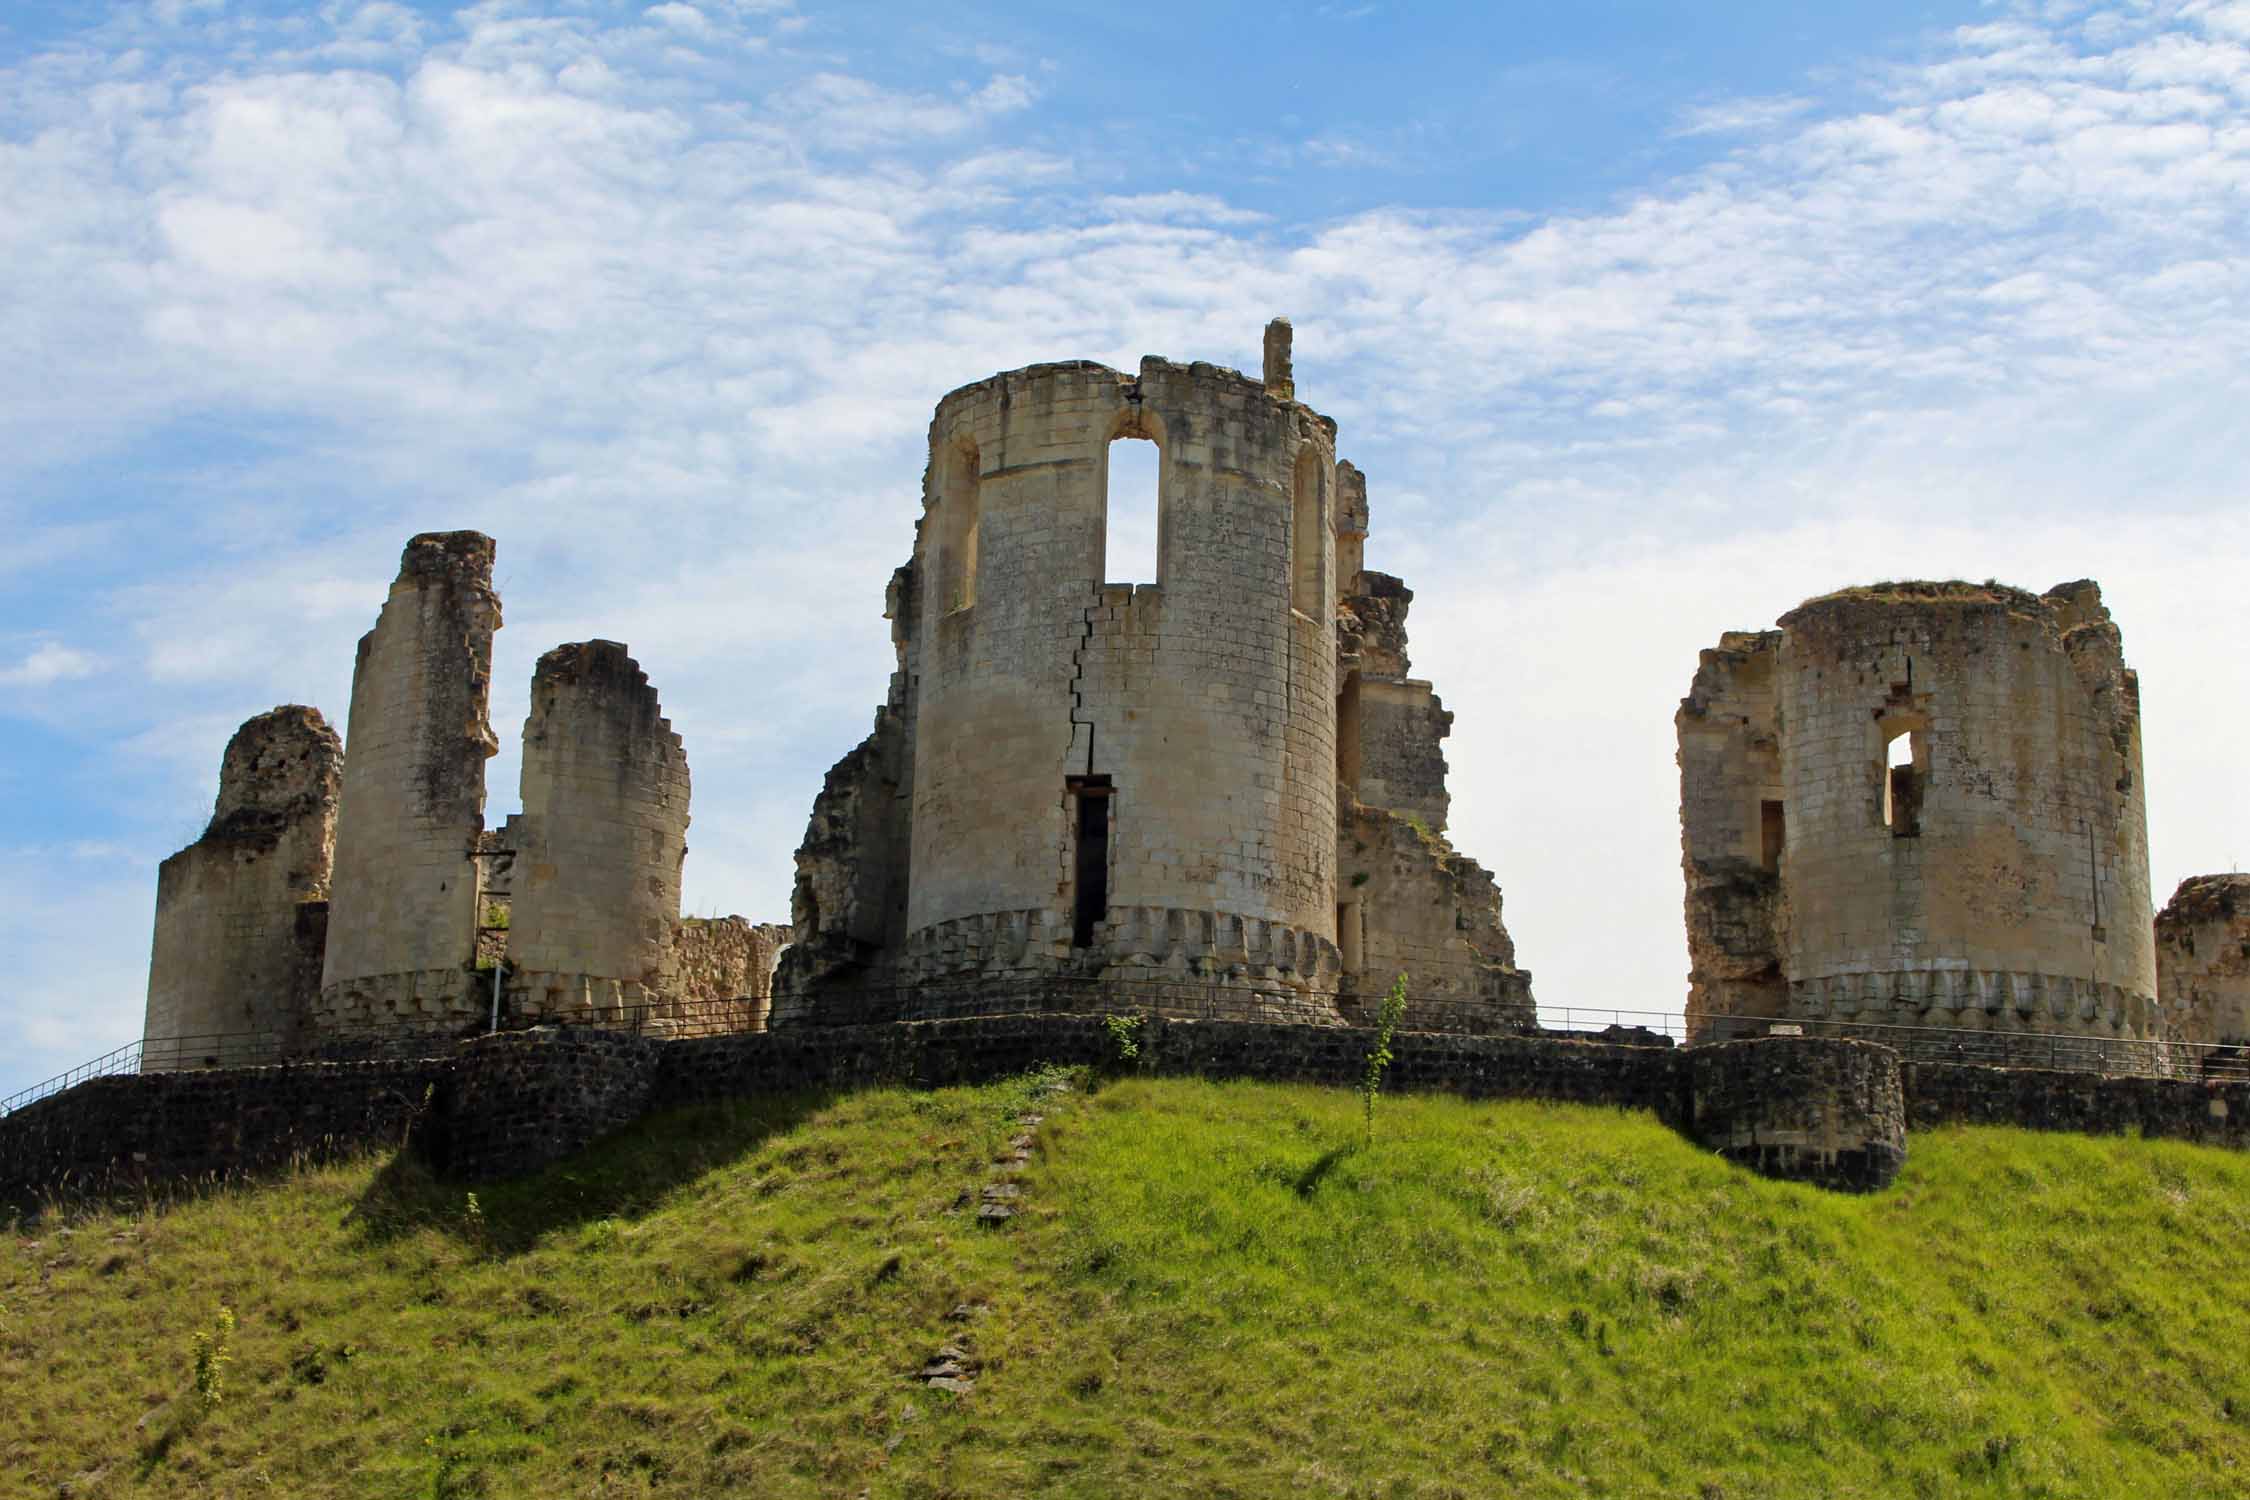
{"type": "Point", "coordinates": [1805, 1109]}
{"type": "Point", "coordinates": [2203, 960]}
{"type": "Point", "coordinates": [511, 1103]}
{"type": "Point", "coordinates": [241, 918]}
{"type": "Point", "coordinates": [146, 1129]}
{"type": "Point", "coordinates": [1998, 881]}
{"type": "Point", "coordinates": [1814, 1108]}
{"type": "Point", "coordinates": [599, 844]}
{"type": "Point", "coordinates": [404, 900]}
{"type": "Point", "coordinates": [725, 969]}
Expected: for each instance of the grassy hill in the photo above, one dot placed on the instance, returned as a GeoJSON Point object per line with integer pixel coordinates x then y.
{"type": "Point", "coordinates": [1211, 1289]}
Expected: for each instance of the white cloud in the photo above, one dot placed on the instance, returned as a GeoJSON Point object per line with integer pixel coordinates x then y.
{"type": "Point", "coordinates": [1741, 116]}
{"type": "Point", "coordinates": [49, 662]}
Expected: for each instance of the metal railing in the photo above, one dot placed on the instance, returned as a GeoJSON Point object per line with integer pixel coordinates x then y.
{"type": "Point", "coordinates": [431, 1036]}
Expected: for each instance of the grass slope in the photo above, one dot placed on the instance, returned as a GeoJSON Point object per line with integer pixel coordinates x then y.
{"type": "Point", "coordinates": [1214, 1289]}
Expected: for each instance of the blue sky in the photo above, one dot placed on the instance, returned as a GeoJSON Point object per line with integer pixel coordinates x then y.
{"type": "Point", "coordinates": [1645, 321]}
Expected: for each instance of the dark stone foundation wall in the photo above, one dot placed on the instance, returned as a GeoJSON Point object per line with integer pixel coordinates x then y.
{"type": "Point", "coordinates": [1816, 1109]}
{"type": "Point", "coordinates": [135, 1129]}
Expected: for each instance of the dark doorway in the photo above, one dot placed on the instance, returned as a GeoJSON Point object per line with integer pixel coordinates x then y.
{"type": "Point", "coordinates": [1091, 795]}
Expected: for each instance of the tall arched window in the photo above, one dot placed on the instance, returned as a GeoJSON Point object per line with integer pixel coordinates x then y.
{"type": "Point", "coordinates": [1132, 492]}
{"type": "Point", "coordinates": [959, 474]}
{"type": "Point", "coordinates": [1906, 771]}
{"type": "Point", "coordinates": [1307, 589]}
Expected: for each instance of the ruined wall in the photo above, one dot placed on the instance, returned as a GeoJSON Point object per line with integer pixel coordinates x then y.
{"type": "Point", "coordinates": [1408, 903]}
{"type": "Point", "coordinates": [847, 908]}
{"type": "Point", "coordinates": [2203, 960]}
{"type": "Point", "coordinates": [600, 841]}
{"type": "Point", "coordinates": [1731, 829]}
{"type": "Point", "coordinates": [1406, 900]}
{"type": "Point", "coordinates": [241, 913]}
{"type": "Point", "coordinates": [725, 968]}
{"type": "Point", "coordinates": [1207, 700]}
{"type": "Point", "coordinates": [1998, 880]}
{"type": "Point", "coordinates": [404, 894]}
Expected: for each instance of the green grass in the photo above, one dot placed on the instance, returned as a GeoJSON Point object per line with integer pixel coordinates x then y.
{"type": "Point", "coordinates": [1214, 1289]}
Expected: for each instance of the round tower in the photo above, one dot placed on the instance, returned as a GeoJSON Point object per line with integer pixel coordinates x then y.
{"type": "Point", "coordinates": [1135, 782]}
{"type": "Point", "coordinates": [1965, 838]}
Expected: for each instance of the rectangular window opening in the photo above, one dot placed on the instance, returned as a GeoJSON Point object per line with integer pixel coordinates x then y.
{"type": "Point", "coordinates": [1905, 758]}
{"type": "Point", "coordinates": [1771, 833]}
{"type": "Point", "coordinates": [1130, 541]}
{"type": "Point", "coordinates": [1090, 873]}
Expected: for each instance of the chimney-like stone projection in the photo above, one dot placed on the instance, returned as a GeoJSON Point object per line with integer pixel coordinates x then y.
{"type": "Point", "coordinates": [1920, 803]}
{"type": "Point", "coordinates": [405, 894]}
{"type": "Point", "coordinates": [599, 844]}
{"type": "Point", "coordinates": [241, 913]}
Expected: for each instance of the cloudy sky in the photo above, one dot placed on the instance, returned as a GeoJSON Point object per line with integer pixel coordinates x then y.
{"type": "Point", "coordinates": [1646, 321]}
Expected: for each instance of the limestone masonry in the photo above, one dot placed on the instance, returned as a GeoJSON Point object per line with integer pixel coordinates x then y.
{"type": "Point", "coordinates": [1921, 803]}
{"type": "Point", "coordinates": [2203, 958]}
{"type": "Point", "coordinates": [1911, 815]}
{"type": "Point", "coordinates": [1219, 785]}
{"type": "Point", "coordinates": [337, 899]}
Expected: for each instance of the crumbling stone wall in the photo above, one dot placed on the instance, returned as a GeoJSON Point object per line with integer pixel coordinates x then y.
{"type": "Point", "coordinates": [404, 894]}
{"type": "Point", "coordinates": [600, 842]}
{"type": "Point", "coordinates": [1732, 831]}
{"type": "Point", "coordinates": [1998, 880]}
{"type": "Point", "coordinates": [1407, 901]}
{"type": "Point", "coordinates": [2203, 960]}
{"type": "Point", "coordinates": [241, 913]}
{"type": "Point", "coordinates": [1410, 904]}
{"type": "Point", "coordinates": [725, 969]}
{"type": "Point", "coordinates": [847, 909]}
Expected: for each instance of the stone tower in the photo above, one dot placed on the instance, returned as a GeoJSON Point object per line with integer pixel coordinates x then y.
{"type": "Point", "coordinates": [598, 847]}
{"type": "Point", "coordinates": [1921, 803]}
{"type": "Point", "coordinates": [404, 909]}
{"type": "Point", "coordinates": [1079, 781]}
{"type": "Point", "coordinates": [241, 913]}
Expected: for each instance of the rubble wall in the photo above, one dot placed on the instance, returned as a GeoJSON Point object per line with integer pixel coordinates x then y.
{"type": "Point", "coordinates": [402, 924]}
{"type": "Point", "coordinates": [600, 842]}
{"type": "Point", "coordinates": [240, 926]}
{"type": "Point", "coordinates": [725, 968]}
{"type": "Point", "coordinates": [2203, 960]}
{"type": "Point", "coordinates": [1424, 910]}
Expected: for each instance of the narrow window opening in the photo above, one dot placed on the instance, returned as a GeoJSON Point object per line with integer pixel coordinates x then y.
{"type": "Point", "coordinates": [959, 524]}
{"type": "Point", "coordinates": [1306, 537]}
{"type": "Point", "coordinates": [1771, 834]}
{"type": "Point", "coordinates": [1349, 935]}
{"type": "Point", "coordinates": [1131, 543]}
{"type": "Point", "coordinates": [1347, 734]}
{"type": "Point", "coordinates": [1905, 761]}
{"type": "Point", "coordinates": [1090, 881]}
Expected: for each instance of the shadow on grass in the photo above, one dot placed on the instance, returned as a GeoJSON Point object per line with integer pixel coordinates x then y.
{"type": "Point", "coordinates": [621, 1177]}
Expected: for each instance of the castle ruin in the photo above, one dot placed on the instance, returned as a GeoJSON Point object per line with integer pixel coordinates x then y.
{"type": "Point", "coordinates": [2203, 959]}
{"type": "Point", "coordinates": [348, 892]}
{"type": "Point", "coordinates": [1920, 803]}
{"type": "Point", "coordinates": [1219, 788]}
